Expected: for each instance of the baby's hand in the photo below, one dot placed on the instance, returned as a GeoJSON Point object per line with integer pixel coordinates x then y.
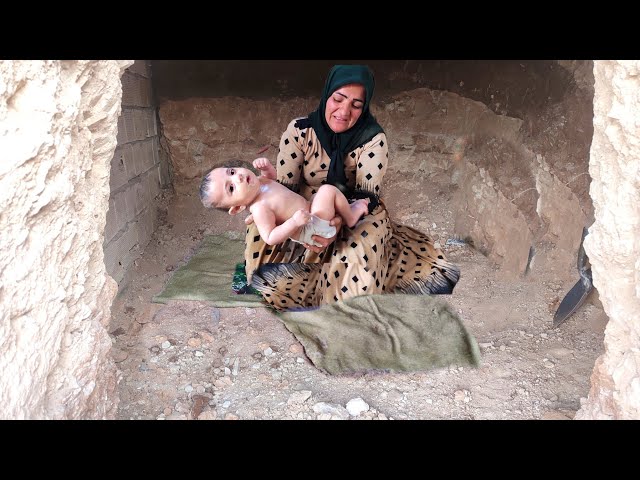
{"type": "Point", "coordinates": [301, 217]}
{"type": "Point", "coordinates": [261, 163]}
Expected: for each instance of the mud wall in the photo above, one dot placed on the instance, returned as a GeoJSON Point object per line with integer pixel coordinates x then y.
{"type": "Point", "coordinates": [58, 123]}
{"type": "Point", "coordinates": [520, 183]}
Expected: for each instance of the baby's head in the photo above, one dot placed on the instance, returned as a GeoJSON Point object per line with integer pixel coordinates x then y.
{"type": "Point", "coordinates": [229, 188]}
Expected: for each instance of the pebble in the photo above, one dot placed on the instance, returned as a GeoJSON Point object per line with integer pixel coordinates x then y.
{"type": "Point", "coordinates": [297, 398]}
{"type": "Point", "coordinates": [199, 353]}
{"type": "Point", "coordinates": [300, 360]}
{"type": "Point", "coordinates": [188, 389]}
{"type": "Point", "coordinates": [208, 415]}
{"type": "Point", "coordinates": [236, 365]}
{"type": "Point", "coordinates": [166, 344]}
{"type": "Point", "coordinates": [296, 348]}
{"type": "Point", "coordinates": [356, 406]}
{"type": "Point", "coordinates": [267, 351]}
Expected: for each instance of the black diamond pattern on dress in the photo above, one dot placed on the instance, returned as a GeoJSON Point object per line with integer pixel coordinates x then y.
{"type": "Point", "coordinates": [359, 164]}
{"type": "Point", "coordinates": [365, 234]}
{"type": "Point", "coordinates": [295, 138]}
{"type": "Point", "coordinates": [355, 279]}
{"type": "Point", "coordinates": [354, 244]}
{"type": "Point", "coordinates": [336, 274]}
{"type": "Point", "coordinates": [366, 259]}
{"type": "Point", "coordinates": [353, 154]}
{"type": "Point", "coordinates": [286, 141]}
{"type": "Point", "coordinates": [256, 238]}
{"type": "Point", "coordinates": [306, 162]}
{"type": "Point", "coordinates": [281, 162]}
{"type": "Point", "coordinates": [344, 289]}
{"type": "Point", "coordinates": [316, 154]}
{"type": "Point", "coordinates": [380, 166]}
{"type": "Point", "coordinates": [381, 143]}
{"type": "Point", "coordinates": [374, 248]}
{"type": "Point", "coordinates": [368, 176]}
{"type": "Point", "coordinates": [371, 154]}
{"type": "Point", "coordinates": [377, 283]}
{"type": "Point", "coordinates": [293, 155]}
{"type": "Point", "coordinates": [323, 166]}
{"type": "Point", "coordinates": [303, 134]}
{"type": "Point", "coordinates": [312, 174]}
{"type": "Point", "coordinates": [289, 174]}
{"type": "Point", "coordinates": [343, 259]}
{"type": "Point", "coordinates": [256, 254]}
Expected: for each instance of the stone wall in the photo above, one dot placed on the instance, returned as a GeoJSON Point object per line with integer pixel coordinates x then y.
{"type": "Point", "coordinates": [613, 243]}
{"type": "Point", "coordinates": [58, 123]}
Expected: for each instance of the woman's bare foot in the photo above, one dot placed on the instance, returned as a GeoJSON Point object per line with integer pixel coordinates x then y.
{"type": "Point", "coordinates": [358, 209]}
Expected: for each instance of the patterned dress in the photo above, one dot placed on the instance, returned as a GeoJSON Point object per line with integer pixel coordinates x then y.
{"type": "Point", "coordinates": [376, 256]}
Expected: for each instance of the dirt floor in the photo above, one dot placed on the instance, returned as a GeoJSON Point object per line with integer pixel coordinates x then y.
{"type": "Point", "coordinates": [189, 360]}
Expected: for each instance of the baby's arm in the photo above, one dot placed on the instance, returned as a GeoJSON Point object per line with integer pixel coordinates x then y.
{"type": "Point", "coordinates": [264, 165]}
{"type": "Point", "coordinates": [265, 220]}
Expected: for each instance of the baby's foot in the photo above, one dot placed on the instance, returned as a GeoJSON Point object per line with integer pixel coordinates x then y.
{"type": "Point", "coordinates": [358, 209]}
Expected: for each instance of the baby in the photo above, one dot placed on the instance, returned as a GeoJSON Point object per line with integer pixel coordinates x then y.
{"type": "Point", "coordinates": [278, 212]}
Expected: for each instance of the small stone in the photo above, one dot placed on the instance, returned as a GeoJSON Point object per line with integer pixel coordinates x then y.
{"type": "Point", "coordinates": [167, 411]}
{"type": "Point", "coordinates": [198, 353]}
{"type": "Point", "coordinates": [300, 360]}
{"type": "Point", "coordinates": [188, 389]}
{"type": "Point", "coordinates": [296, 348]}
{"type": "Point", "coordinates": [356, 406]}
{"type": "Point", "coordinates": [208, 415]}
{"type": "Point", "coordinates": [166, 344]}
{"type": "Point", "coordinates": [267, 351]}
{"type": "Point", "coordinates": [194, 342]}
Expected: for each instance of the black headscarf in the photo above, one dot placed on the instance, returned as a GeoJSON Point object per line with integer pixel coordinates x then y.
{"type": "Point", "coordinates": [337, 145]}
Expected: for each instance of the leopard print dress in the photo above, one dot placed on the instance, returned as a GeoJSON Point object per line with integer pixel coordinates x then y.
{"type": "Point", "coordinates": [376, 256]}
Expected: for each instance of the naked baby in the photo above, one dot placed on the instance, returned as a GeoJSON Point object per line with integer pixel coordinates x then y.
{"type": "Point", "coordinates": [278, 212]}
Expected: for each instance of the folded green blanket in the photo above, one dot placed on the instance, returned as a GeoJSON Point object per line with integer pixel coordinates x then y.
{"type": "Point", "coordinates": [397, 333]}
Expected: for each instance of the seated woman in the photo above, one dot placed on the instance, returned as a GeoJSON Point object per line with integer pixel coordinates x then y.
{"type": "Point", "coordinates": [342, 144]}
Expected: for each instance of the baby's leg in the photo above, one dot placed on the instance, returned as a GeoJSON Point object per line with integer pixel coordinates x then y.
{"type": "Point", "coordinates": [330, 200]}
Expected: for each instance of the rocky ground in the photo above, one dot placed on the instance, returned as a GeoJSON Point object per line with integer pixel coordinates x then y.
{"type": "Point", "coordinates": [190, 360]}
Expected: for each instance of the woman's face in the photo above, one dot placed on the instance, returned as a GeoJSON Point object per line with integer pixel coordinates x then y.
{"type": "Point", "coordinates": [344, 107]}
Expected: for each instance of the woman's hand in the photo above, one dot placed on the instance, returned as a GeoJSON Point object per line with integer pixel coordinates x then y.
{"type": "Point", "coordinates": [249, 219]}
{"type": "Point", "coordinates": [325, 242]}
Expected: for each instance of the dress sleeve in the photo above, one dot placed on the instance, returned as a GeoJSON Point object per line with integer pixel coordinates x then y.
{"type": "Point", "coordinates": [290, 158]}
{"type": "Point", "coordinates": [372, 165]}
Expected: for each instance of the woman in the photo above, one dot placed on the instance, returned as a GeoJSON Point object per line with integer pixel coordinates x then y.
{"type": "Point", "coordinates": [341, 143]}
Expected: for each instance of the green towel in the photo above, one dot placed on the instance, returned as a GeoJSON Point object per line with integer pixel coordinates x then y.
{"type": "Point", "coordinates": [212, 274]}
{"type": "Point", "coordinates": [397, 333]}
